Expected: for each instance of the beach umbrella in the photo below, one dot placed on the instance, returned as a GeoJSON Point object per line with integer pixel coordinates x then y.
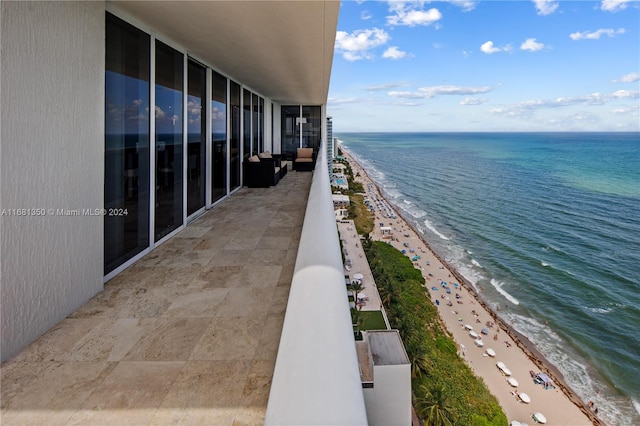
{"type": "Point", "coordinates": [539, 418]}
{"type": "Point", "coordinates": [362, 296]}
{"type": "Point", "coordinates": [479, 343]}
{"type": "Point", "coordinates": [358, 276]}
{"type": "Point", "coordinates": [434, 288]}
{"type": "Point", "coordinates": [503, 368]}
{"type": "Point", "coordinates": [485, 331]}
{"type": "Point", "coordinates": [525, 398]}
{"type": "Point", "coordinates": [491, 352]}
{"type": "Point", "coordinates": [513, 382]}
{"type": "Point", "coordinates": [473, 334]}
{"type": "Point", "coordinates": [468, 327]}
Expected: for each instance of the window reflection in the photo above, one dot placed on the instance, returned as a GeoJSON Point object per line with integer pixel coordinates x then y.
{"type": "Point", "coordinates": [234, 146]}
{"type": "Point", "coordinates": [219, 137]}
{"type": "Point", "coordinates": [196, 137]}
{"type": "Point", "coordinates": [126, 180]}
{"type": "Point", "coordinates": [169, 157]}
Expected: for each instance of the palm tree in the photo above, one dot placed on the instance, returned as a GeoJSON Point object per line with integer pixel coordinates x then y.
{"type": "Point", "coordinates": [418, 358]}
{"type": "Point", "coordinates": [356, 287]}
{"type": "Point", "coordinates": [433, 407]}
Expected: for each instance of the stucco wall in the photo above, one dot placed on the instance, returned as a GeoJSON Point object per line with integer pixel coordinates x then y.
{"type": "Point", "coordinates": [51, 157]}
{"type": "Point", "coordinates": [389, 401]}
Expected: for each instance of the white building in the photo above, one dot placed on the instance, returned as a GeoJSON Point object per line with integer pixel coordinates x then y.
{"type": "Point", "coordinates": [386, 378]}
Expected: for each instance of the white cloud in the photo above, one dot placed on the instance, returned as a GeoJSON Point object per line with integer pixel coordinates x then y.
{"type": "Point", "coordinates": [357, 45]}
{"type": "Point", "coordinates": [365, 15]}
{"type": "Point", "coordinates": [432, 91]}
{"type": "Point", "coordinates": [595, 35]}
{"type": "Point", "coordinates": [614, 5]}
{"type": "Point", "coordinates": [466, 5]}
{"type": "Point", "coordinates": [526, 108]}
{"type": "Point", "coordinates": [489, 48]}
{"type": "Point", "coordinates": [473, 101]}
{"type": "Point", "coordinates": [545, 7]}
{"type": "Point", "coordinates": [411, 14]}
{"type": "Point", "coordinates": [383, 87]}
{"type": "Point", "coordinates": [532, 45]}
{"type": "Point", "coordinates": [159, 112]}
{"type": "Point", "coordinates": [394, 53]}
{"type": "Point", "coordinates": [628, 78]}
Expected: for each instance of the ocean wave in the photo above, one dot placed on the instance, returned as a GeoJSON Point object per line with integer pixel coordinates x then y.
{"type": "Point", "coordinates": [475, 263]}
{"type": "Point", "coordinates": [498, 286]}
{"type": "Point", "coordinates": [605, 309]}
{"type": "Point", "coordinates": [599, 310]}
{"type": "Point", "coordinates": [575, 371]}
{"type": "Point", "coordinates": [433, 229]}
{"type": "Point", "coordinates": [545, 264]}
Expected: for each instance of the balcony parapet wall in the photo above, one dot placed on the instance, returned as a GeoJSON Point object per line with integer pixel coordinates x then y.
{"type": "Point", "coordinates": [316, 379]}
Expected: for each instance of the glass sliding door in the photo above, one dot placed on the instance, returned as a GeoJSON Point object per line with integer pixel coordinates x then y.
{"type": "Point", "coordinates": [258, 144]}
{"type": "Point", "coordinates": [126, 180]}
{"type": "Point", "coordinates": [196, 136]}
{"type": "Point", "coordinates": [235, 159]}
{"type": "Point", "coordinates": [219, 137]}
{"type": "Point", "coordinates": [290, 129]}
{"type": "Point", "coordinates": [246, 122]}
{"type": "Point", "coordinates": [169, 145]}
{"type": "Point", "coordinates": [311, 127]}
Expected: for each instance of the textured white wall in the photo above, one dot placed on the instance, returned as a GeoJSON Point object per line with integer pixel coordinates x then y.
{"type": "Point", "coordinates": [389, 401]}
{"type": "Point", "coordinates": [51, 157]}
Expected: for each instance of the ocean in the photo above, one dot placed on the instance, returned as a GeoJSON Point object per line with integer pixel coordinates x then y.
{"type": "Point", "coordinates": [546, 226]}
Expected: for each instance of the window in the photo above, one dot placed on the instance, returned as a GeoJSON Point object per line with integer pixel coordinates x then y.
{"type": "Point", "coordinates": [169, 145]}
{"type": "Point", "coordinates": [219, 137]}
{"type": "Point", "coordinates": [196, 136]}
{"type": "Point", "coordinates": [126, 180]}
{"type": "Point", "coordinates": [235, 158]}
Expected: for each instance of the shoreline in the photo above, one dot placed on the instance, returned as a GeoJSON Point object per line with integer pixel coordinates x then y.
{"type": "Point", "coordinates": [520, 341]}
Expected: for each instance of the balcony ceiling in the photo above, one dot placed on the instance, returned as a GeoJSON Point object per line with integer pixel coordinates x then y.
{"type": "Point", "coordinates": [280, 49]}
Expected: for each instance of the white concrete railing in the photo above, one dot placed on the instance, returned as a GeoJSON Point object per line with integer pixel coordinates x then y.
{"type": "Point", "coordinates": [316, 379]}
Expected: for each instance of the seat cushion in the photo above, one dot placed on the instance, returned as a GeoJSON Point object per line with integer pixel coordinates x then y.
{"type": "Point", "coordinates": [304, 160]}
{"type": "Point", "coordinates": [254, 159]}
{"type": "Point", "coordinates": [265, 154]}
{"type": "Point", "coordinates": [304, 153]}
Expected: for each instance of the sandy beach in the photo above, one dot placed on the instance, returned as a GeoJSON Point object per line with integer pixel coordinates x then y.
{"type": "Point", "coordinates": [463, 311]}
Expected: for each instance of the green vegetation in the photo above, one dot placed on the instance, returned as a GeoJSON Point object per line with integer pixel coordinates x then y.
{"type": "Point", "coordinates": [445, 390]}
{"type": "Point", "coordinates": [372, 320]}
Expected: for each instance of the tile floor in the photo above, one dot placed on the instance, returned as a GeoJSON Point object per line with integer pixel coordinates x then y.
{"type": "Point", "coordinates": [186, 336]}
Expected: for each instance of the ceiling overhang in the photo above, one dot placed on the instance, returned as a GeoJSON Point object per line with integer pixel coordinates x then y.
{"type": "Point", "coordinates": [282, 50]}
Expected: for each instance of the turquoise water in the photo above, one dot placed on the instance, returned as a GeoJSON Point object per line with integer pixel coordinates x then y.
{"type": "Point", "coordinates": [546, 224]}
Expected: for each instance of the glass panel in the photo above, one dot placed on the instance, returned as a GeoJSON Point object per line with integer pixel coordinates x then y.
{"type": "Point", "coordinates": [246, 116]}
{"type": "Point", "coordinates": [219, 137]}
{"type": "Point", "coordinates": [234, 146]}
{"type": "Point", "coordinates": [126, 180]}
{"type": "Point", "coordinates": [260, 124]}
{"type": "Point", "coordinates": [290, 129]}
{"type": "Point", "coordinates": [311, 127]}
{"type": "Point", "coordinates": [169, 157]}
{"type": "Point", "coordinates": [196, 136]}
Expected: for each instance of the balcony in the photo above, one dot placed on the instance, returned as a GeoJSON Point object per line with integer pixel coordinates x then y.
{"type": "Point", "coordinates": [190, 333]}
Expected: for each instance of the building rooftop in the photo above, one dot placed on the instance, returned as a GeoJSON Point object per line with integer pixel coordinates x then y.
{"type": "Point", "coordinates": [386, 347]}
{"type": "Point", "coordinates": [187, 335]}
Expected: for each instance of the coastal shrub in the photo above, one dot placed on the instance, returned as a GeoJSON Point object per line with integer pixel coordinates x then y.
{"type": "Point", "coordinates": [444, 388]}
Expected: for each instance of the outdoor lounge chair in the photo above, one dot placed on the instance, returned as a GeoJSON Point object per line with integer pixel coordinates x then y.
{"type": "Point", "coordinates": [305, 160]}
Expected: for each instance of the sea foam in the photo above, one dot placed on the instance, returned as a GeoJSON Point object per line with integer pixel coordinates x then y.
{"type": "Point", "coordinates": [498, 286]}
{"type": "Point", "coordinates": [433, 229]}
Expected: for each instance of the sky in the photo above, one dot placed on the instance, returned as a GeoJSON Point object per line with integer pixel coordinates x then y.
{"type": "Point", "coordinates": [468, 65]}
